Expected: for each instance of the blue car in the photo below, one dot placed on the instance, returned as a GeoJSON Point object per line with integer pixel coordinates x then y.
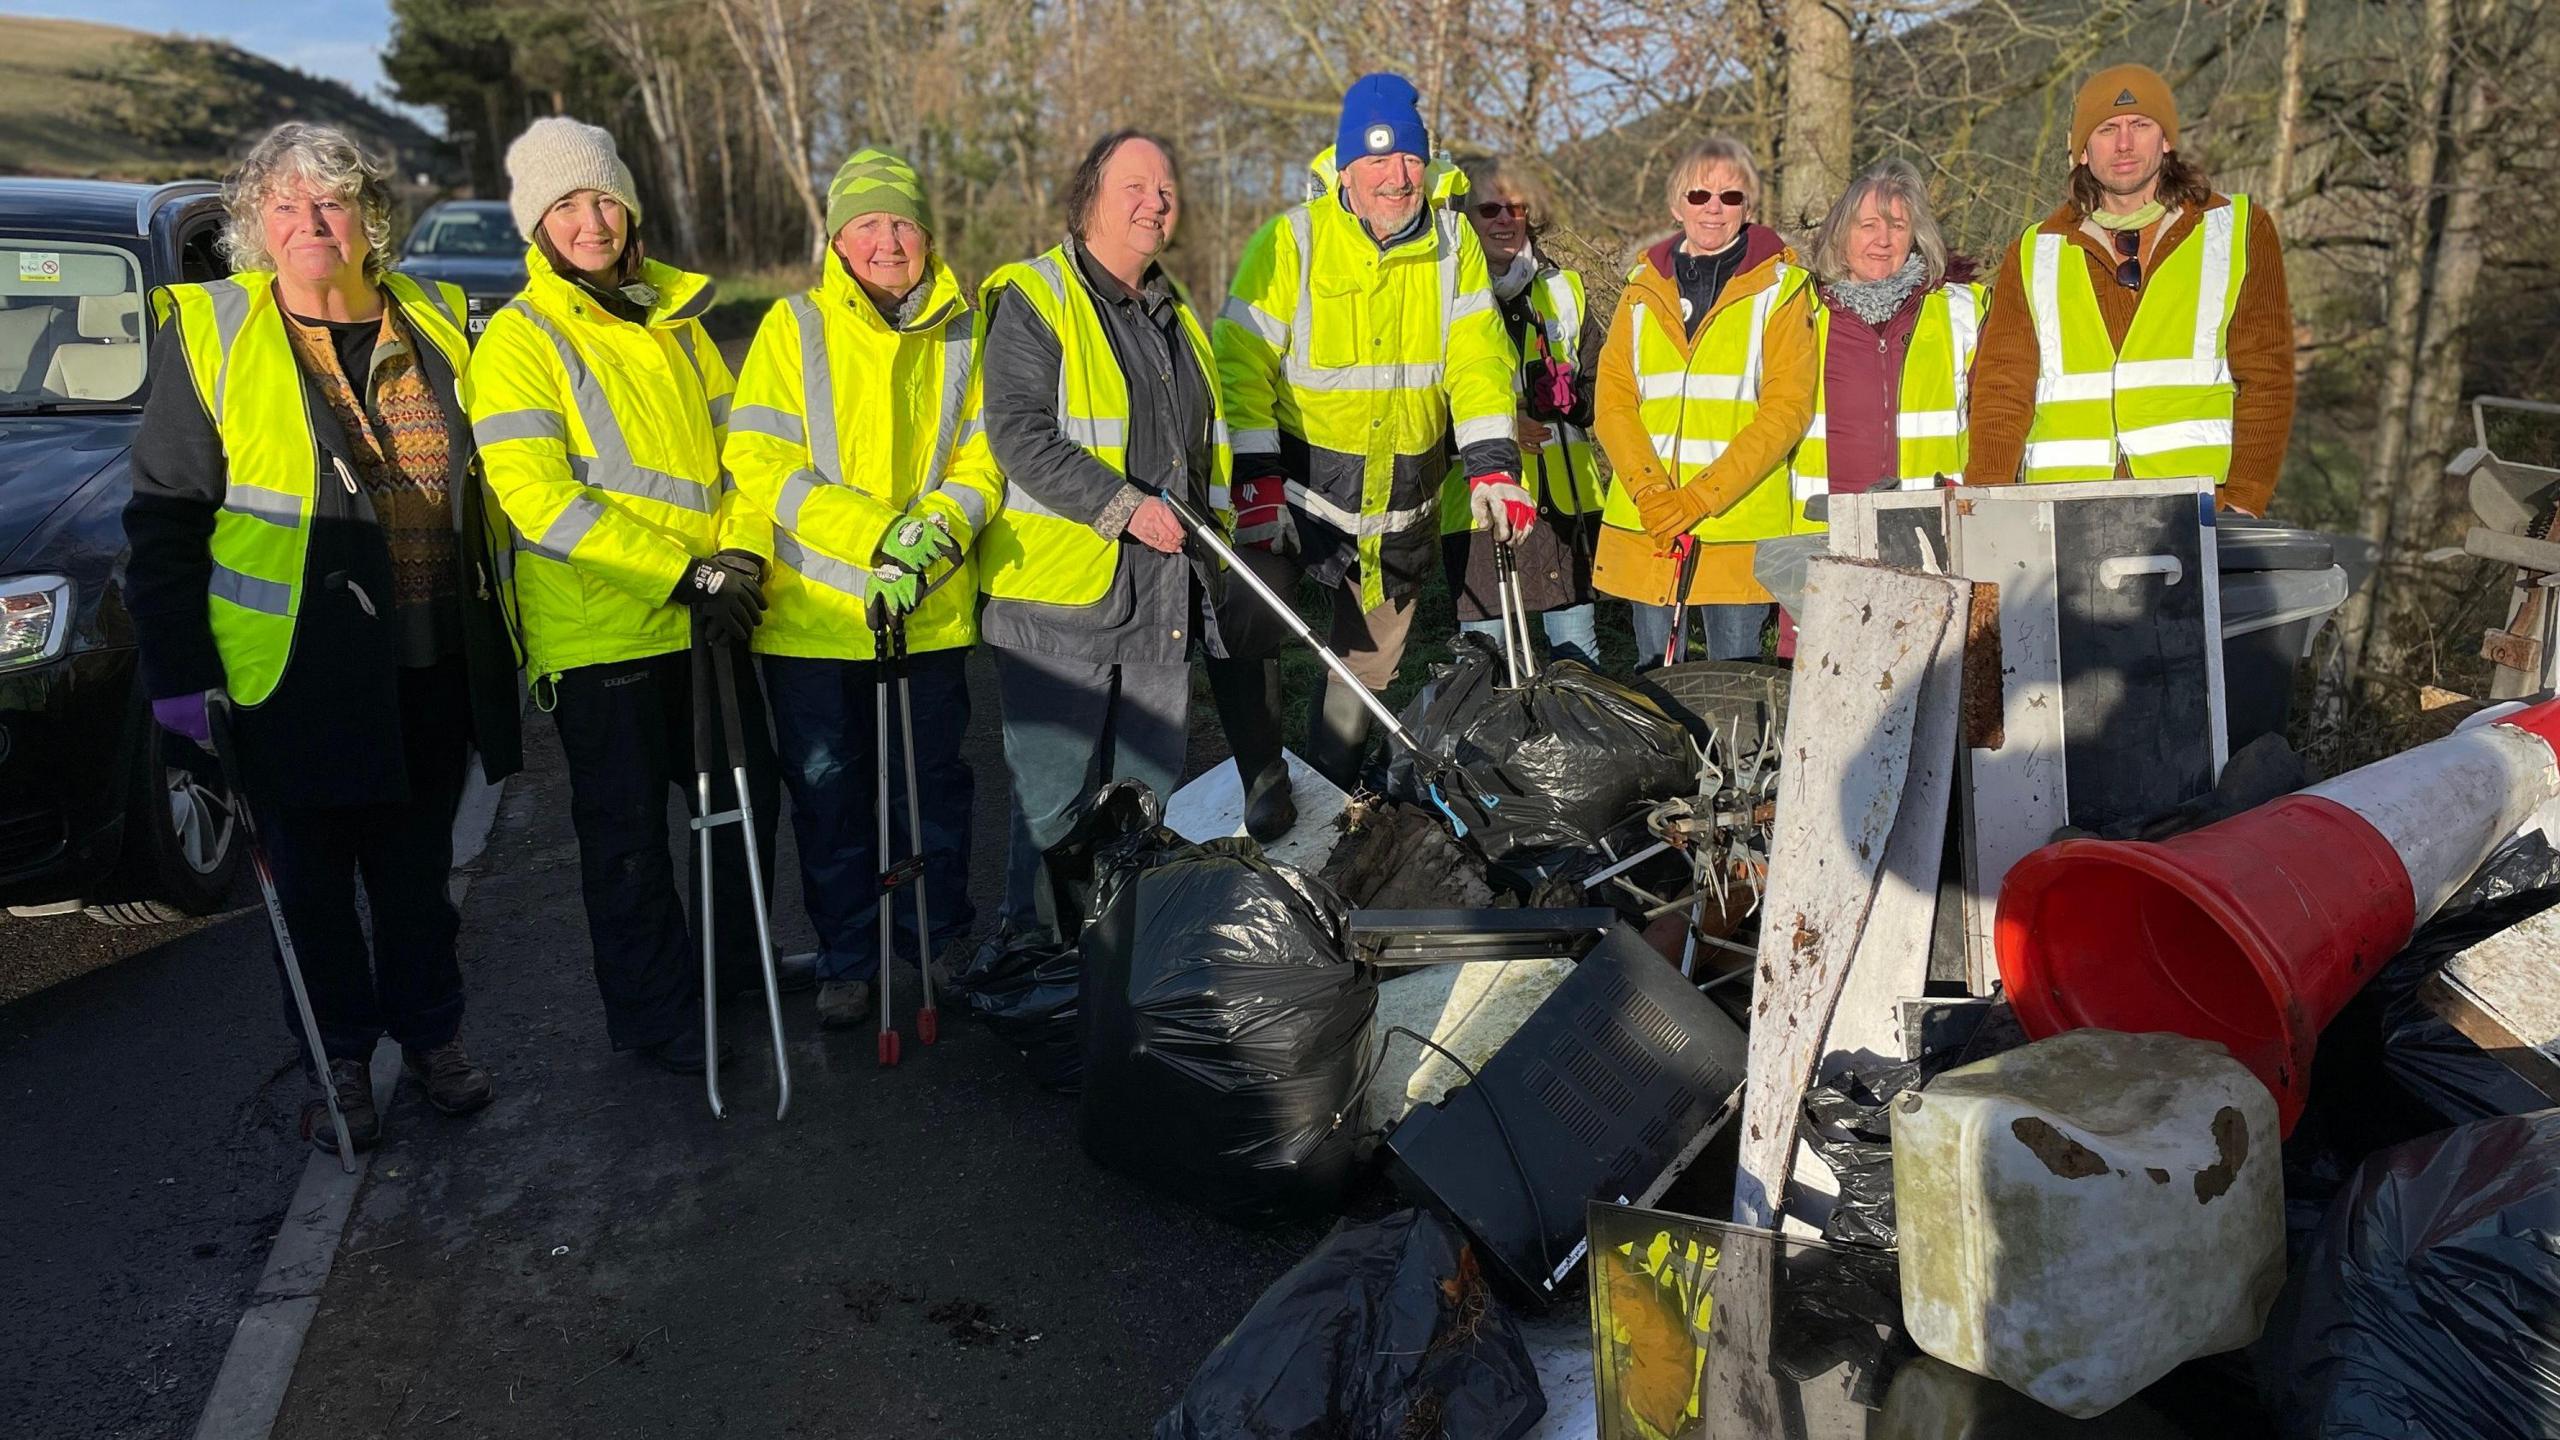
{"type": "Point", "coordinates": [473, 244]}
{"type": "Point", "coordinates": [100, 810]}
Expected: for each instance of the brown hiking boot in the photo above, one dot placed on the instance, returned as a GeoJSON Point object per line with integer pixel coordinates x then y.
{"type": "Point", "coordinates": [354, 1085]}
{"type": "Point", "coordinates": [454, 1084]}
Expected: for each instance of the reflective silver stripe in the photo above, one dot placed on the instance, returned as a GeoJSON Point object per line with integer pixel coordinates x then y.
{"type": "Point", "coordinates": [797, 487]}
{"type": "Point", "coordinates": [1300, 368]}
{"type": "Point", "coordinates": [1220, 498]}
{"type": "Point", "coordinates": [719, 410]}
{"type": "Point", "coordinates": [1019, 501]}
{"type": "Point", "coordinates": [1820, 429]}
{"type": "Point", "coordinates": [1927, 482]}
{"type": "Point", "coordinates": [2044, 306]}
{"type": "Point", "coordinates": [973, 503]}
{"type": "Point", "coordinates": [817, 390]}
{"type": "Point", "coordinates": [612, 467]}
{"type": "Point", "coordinates": [1691, 450]}
{"type": "Point", "coordinates": [624, 478]}
{"type": "Point", "coordinates": [568, 527]}
{"type": "Point", "coordinates": [1446, 229]}
{"type": "Point", "coordinates": [950, 431]}
{"type": "Point", "coordinates": [1964, 317]}
{"type": "Point", "coordinates": [1094, 434]}
{"type": "Point", "coordinates": [1927, 424]}
{"type": "Point", "coordinates": [1412, 375]}
{"type": "Point", "coordinates": [276, 507]}
{"type": "Point", "coordinates": [1255, 442]}
{"type": "Point", "coordinates": [1761, 305]}
{"type": "Point", "coordinates": [1256, 319]}
{"type": "Point", "coordinates": [1483, 428]}
{"type": "Point", "coordinates": [269, 597]}
{"type": "Point", "coordinates": [1564, 332]}
{"type": "Point", "coordinates": [820, 569]}
{"type": "Point", "coordinates": [2152, 374]}
{"type": "Point", "coordinates": [1805, 486]}
{"type": "Point", "coordinates": [2072, 454]}
{"type": "Point", "coordinates": [770, 421]}
{"type": "Point", "coordinates": [433, 294]}
{"type": "Point", "coordinates": [230, 300]}
{"type": "Point", "coordinates": [1663, 385]}
{"type": "Point", "coordinates": [2215, 285]}
{"type": "Point", "coordinates": [1357, 525]}
{"type": "Point", "coordinates": [2094, 385]}
{"type": "Point", "coordinates": [1471, 302]}
{"type": "Point", "coordinates": [2176, 435]}
{"type": "Point", "coordinates": [507, 425]}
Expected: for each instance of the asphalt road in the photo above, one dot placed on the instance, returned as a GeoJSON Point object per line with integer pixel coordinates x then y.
{"type": "Point", "coordinates": [148, 1124]}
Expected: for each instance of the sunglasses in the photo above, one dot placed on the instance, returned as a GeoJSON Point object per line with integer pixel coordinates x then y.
{"type": "Point", "coordinates": [2129, 271]}
{"type": "Point", "coordinates": [1496, 209]}
{"type": "Point", "coordinates": [1733, 199]}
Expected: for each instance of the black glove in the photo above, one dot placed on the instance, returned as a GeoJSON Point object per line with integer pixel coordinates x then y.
{"type": "Point", "coordinates": [727, 591]}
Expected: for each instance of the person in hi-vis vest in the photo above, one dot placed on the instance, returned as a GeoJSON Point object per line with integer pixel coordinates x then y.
{"type": "Point", "coordinates": [309, 538]}
{"type": "Point", "coordinates": [2141, 330]}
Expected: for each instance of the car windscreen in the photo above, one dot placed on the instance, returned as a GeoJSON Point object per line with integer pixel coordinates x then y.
{"type": "Point", "coordinates": [71, 325]}
{"type": "Point", "coordinates": [477, 234]}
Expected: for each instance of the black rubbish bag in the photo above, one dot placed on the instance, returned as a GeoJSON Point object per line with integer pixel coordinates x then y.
{"type": "Point", "coordinates": [2429, 1306]}
{"type": "Point", "coordinates": [1564, 757]}
{"type": "Point", "coordinates": [1226, 1030]}
{"type": "Point", "coordinates": [1386, 1331]}
{"type": "Point", "coordinates": [1861, 1105]}
{"type": "Point", "coordinates": [1027, 987]}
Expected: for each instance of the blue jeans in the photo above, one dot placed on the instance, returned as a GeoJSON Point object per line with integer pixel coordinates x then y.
{"type": "Point", "coordinates": [1573, 632]}
{"type": "Point", "coordinates": [826, 728]}
{"type": "Point", "coordinates": [1727, 632]}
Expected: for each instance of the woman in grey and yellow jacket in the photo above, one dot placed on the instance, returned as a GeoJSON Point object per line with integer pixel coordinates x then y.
{"type": "Point", "coordinates": [856, 429]}
{"type": "Point", "coordinates": [600, 405]}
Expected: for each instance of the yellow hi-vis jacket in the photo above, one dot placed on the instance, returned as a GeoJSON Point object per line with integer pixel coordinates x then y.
{"type": "Point", "coordinates": [1369, 361]}
{"type": "Point", "coordinates": [1694, 404]}
{"type": "Point", "coordinates": [1031, 552]}
{"type": "Point", "coordinates": [1564, 473]}
{"type": "Point", "coordinates": [843, 424]}
{"type": "Point", "coordinates": [601, 440]}
{"type": "Point", "coordinates": [1929, 410]}
{"type": "Point", "coordinates": [2162, 403]}
{"type": "Point", "coordinates": [242, 364]}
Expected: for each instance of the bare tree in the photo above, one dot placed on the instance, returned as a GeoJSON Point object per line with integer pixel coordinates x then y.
{"type": "Point", "coordinates": [639, 37]}
{"type": "Point", "coordinates": [1815, 131]}
{"type": "Point", "coordinates": [773, 40]}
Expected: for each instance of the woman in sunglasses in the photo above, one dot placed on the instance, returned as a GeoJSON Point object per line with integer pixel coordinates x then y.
{"type": "Point", "coordinates": [1706, 382]}
{"type": "Point", "coordinates": [1557, 343]}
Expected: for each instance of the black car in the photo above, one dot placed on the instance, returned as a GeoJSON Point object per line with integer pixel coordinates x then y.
{"type": "Point", "coordinates": [99, 808]}
{"type": "Point", "coordinates": [473, 244]}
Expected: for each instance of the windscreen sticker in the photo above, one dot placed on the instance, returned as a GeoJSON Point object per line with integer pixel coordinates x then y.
{"type": "Point", "coordinates": [39, 267]}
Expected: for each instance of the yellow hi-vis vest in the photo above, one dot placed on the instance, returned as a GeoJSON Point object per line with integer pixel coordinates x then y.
{"type": "Point", "coordinates": [2162, 403]}
{"type": "Point", "coordinates": [1375, 359]}
{"type": "Point", "coordinates": [1031, 552]}
{"type": "Point", "coordinates": [242, 363]}
{"type": "Point", "coordinates": [1563, 473]}
{"type": "Point", "coordinates": [601, 440]}
{"type": "Point", "coordinates": [843, 425]}
{"type": "Point", "coordinates": [1693, 407]}
{"type": "Point", "coordinates": [1928, 423]}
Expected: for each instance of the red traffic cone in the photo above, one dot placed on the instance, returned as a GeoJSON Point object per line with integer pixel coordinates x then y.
{"type": "Point", "coordinates": [2255, 931]}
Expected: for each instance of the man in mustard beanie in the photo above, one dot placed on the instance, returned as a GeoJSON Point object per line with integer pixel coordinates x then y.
{"type": "Point", "coordinates": [2141, 330]}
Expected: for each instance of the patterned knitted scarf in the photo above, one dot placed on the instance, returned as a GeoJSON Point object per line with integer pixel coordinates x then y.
{"type": "Point", "coordinates": [397, 433]}
{"type": "Point", "coordinates": [1875, 301]}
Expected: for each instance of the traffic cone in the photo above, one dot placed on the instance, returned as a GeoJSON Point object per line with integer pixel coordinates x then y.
{"type": "Point", "coordinates": [2255, 931]}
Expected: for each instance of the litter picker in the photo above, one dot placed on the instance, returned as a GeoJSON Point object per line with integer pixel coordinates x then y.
{"type": "Point", "coordinates": [717, 732]}
{"type": "Point", "coordinates": [889, 647]}
{"type": "Point", "coordinates": [1433, 768]}
{"type": "Point", "coordinates": [1518, 654]}
{"type": "Point", "coordinates": [217, 711]}
{"type": "Point", "coordinates": [1684, 567]}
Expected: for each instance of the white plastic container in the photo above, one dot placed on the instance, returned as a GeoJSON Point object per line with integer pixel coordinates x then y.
{"type": "Point", "coordinates": [2080, 1216]}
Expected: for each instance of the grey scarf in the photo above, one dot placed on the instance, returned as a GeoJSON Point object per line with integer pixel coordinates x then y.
{"type": "Point", "coordinates": [1876, 301]}
{"type": "Point", "coordinates": [1516, 276]}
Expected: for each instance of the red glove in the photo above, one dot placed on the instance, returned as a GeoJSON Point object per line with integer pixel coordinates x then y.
{"type": "Point", "coordinates": [1262, 514]}
{"type": "Point", "coordinates": [1501, 506]}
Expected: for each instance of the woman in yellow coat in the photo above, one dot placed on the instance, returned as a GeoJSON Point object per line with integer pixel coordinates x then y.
{"type": "Point", "coordinates": [1706, 383]}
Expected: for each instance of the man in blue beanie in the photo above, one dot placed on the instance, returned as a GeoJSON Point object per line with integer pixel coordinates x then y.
{"type": "Point", "coordinates": [1346, 410]}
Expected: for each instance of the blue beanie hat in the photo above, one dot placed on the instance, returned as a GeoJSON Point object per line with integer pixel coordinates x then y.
{"type": "Point", "coordinates": [1381, 115]}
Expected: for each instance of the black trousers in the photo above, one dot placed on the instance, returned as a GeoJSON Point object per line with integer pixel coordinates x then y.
{"type": "Point", "coordinates": [410, 986]}
{"type": "Point", "coordinates": [627, 729]}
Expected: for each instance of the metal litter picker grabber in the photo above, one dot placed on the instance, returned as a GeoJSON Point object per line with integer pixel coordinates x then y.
{"type": "Point", "coordinates": [218, 715]}
{"type": "Point", "coordinates": [717, 732]}
{"type": "Point", "coordinates": [889, 647]}
{"type": "Point", "coordinates": [1435, 770]}
{"type": "Point", "coordinates": [1518, 655]}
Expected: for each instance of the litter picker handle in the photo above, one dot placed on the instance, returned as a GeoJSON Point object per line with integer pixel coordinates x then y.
{"type": "Point", "coordinates": [717, 732]}
{"type": "Point", "coordinates": [1208, 535]}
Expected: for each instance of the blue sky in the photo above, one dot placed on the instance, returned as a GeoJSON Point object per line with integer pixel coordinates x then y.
{"type": "Point", "coordinates": [341, 39]}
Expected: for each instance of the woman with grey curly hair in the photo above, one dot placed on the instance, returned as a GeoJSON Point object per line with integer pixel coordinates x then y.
{"type": "Point", "coordinates": [311, 552]}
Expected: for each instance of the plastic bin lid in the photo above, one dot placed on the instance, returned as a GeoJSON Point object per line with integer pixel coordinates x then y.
{"type": "Point", "coordinates": [2246, 544]}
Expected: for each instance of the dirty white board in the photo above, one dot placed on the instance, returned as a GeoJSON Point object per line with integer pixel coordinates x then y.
{"type": "Point", "coordinates": [1212, 806]}
{"type": "Point", "coordinates": [1870, 755]}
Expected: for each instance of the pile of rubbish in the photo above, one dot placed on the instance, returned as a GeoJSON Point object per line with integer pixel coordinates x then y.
{"type": "Point", "coordinates": [1666, 1090]}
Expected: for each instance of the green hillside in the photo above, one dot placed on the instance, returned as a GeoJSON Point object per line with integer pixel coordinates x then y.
{"type": "Point", "coordinates": [84, 99]}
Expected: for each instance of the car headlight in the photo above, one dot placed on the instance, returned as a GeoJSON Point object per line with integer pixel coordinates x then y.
{"type": "Point", "coordinates": [35, 618]}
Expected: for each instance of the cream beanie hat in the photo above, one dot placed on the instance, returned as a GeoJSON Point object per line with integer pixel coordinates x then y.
{"type": "Point", "coordinates": [556, 156]}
